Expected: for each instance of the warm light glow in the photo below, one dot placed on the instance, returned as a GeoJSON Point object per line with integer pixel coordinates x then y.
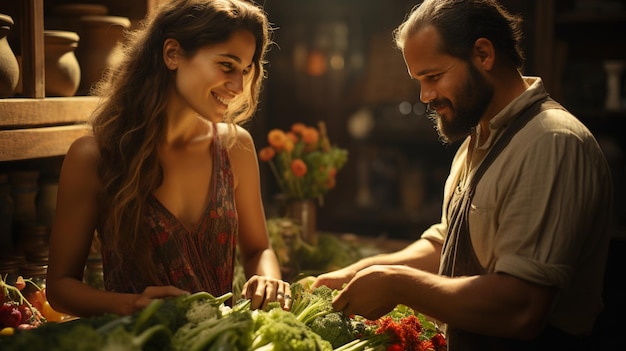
{"type": "Point", "coordinates": [316, 64]}
{"type": "Point", "coordinates": [405, 107]}
{"type": "Point", "coordinates": [337, 62]}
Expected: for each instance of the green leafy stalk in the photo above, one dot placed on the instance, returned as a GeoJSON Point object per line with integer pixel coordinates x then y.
{"type": "Point", "coordinates": [121, 339]}
{"type": "Point", "coordinates": [145, 314]}
{"type": "Point", "coordinates": [147, 334]}
{"type": "Point", "coordinates": [204, 340]}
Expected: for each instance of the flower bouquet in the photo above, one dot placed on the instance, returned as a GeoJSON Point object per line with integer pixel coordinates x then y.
{"type": "Point", "coordinates": [303, 161]}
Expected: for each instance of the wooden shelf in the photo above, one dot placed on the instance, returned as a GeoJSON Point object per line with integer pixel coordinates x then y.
{"type": "Point", "coordinates": [16, 112]}
{"type": "Point", "coordinates": [21, 144]}
{"type": "Point", "coordinates": [36, 128]}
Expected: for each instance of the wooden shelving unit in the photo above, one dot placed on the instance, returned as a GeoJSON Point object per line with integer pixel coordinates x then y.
{"type": "Point", "coordinates": [34, 126]}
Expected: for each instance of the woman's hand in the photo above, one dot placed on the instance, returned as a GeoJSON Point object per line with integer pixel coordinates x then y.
{"type": "Point", "coordinates": [156, 292]}
{"type": "Point", "coordinates": [263, 290]}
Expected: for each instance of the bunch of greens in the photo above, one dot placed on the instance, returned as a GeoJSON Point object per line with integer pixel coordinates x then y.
{"type": "Point", "coordinates": [292, 251]}
{"type": "Point", "coordinates": [201, 321]}
{"type": "Point", "coordinates": [153, 328]}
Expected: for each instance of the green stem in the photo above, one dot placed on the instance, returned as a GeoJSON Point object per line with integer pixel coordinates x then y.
{"type": "Point", "coordinates": [279, 179]}
{"type": "Point", "coordinates": [141, 339]}
{"type": "Point", "coordinates": [146, 313]}
{"type": "Point", "coordinates": [8, 289]}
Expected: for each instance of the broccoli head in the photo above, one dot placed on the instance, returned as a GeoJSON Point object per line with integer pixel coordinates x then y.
{"type": "Point", "coordinates": [335, 328]}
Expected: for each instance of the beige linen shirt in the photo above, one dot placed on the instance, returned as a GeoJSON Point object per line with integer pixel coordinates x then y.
{"type": "Point", "coordinates": [542, 210]}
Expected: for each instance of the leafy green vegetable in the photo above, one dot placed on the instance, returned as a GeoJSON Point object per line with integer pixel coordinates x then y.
{"type": "Point", "coordinates": [298, 256]}
{"type": "Point", "coordinates": [308, 305]}
{"type": "Point", "coordinates": [335, 328]}
{"type": "Point", "coordinates": [201, 335]}
{"type": "Point", "coordinates": [202, 322]}
{"type": "Point", "coordinates": [121, 339]}
{"type": "Point", "coordinates": [280, 330]}
{"type": "Point", "coordinates": [80, 338]}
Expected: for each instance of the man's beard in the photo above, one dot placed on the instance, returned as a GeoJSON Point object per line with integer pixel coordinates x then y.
{"type": "Point", "coordinates": [471, 104]}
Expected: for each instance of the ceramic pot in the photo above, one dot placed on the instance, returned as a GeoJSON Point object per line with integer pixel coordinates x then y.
{"type": "Point", "coordinates": [99, 49]}
{"type": "Point", "coordinates": [61, 66]}
{"type": "Point", "coordinates": [67, 16]}
{"type": "Point", "coordinates": [9, 68]}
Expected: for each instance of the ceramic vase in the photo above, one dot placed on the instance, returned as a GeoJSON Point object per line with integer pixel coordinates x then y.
{"type": "Point", "coordinates": [304, 213]}
{"type": "Point", "coordinates": [61, 65]}
{"type": "Point", "coordinates": [9, 68]}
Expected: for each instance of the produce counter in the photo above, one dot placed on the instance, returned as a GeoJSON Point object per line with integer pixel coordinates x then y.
{"type": "Point", "coordinates": [203, 322]}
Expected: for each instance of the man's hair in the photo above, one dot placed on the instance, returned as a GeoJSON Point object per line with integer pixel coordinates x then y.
{"type": "Point", "coordinates": [461, 22]}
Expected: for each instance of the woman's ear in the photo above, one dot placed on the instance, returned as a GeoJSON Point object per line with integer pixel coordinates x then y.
{"type": "Point", "coordinates": [484, 53]}
{"type": "Point", "coordinates": [171, 49]}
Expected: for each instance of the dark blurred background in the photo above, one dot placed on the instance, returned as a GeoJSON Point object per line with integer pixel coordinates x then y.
{"type": "Point", "coordinates": [336, 61]}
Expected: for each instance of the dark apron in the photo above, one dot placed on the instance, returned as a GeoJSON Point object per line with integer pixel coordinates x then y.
{"type": "Point", "coordinates": [459, 258]}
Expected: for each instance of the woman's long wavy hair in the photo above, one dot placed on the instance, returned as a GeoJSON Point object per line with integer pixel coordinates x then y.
{"type": "Point", "coordinates": [130, 123]}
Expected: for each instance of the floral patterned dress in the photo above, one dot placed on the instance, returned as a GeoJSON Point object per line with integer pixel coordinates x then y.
{"type": "Point", "coordinates": [202, 259]}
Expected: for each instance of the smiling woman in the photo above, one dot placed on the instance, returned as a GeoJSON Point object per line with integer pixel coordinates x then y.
{"type": "Point", "coordinates": [212, 77]}
{"type": "Point", "coordinates": [168, 180]}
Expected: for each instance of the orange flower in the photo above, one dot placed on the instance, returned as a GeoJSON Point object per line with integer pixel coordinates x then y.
{"type": "Point", "coordinates": [277, 138]}
{"type": "Point", "coordinates": [289, 145]}
{"type": "Point", "coordinates": [292, 136]}
{"type": "Point", "coordinates": [298, 167]}
{"type": "Point", "coordinates": [267, 153]}
{"type": "Point", "coordinates": [330, 182]}
{"type": "Point", "coordinates": [332, 172]}
{"type": "Point", "coordinates": [310, 135]}
{"type": "Point", "coordinates": [298, 128]}
{"type": "Point", "coordinates": [302, 166]}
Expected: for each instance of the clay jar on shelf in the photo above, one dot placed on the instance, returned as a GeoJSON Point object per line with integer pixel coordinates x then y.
{"type": "Point", "coordinates": [67, 16]}
{"type": "Point", "coordinates": [61, 67]}
{"type": "Point", "coordinates": [98, 50]}
{"type": "Point", "coordinates": [9, 68]}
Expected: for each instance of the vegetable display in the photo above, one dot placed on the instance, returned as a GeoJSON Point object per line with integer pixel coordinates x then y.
{"type": "Point", "coordinates": [202, 321]}
{"type": "Point", "coordinates": [20, 312]}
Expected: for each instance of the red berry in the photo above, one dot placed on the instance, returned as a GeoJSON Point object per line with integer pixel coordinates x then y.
{"type": "Point", "coordinates": [27, 313]}
{"type": "Point", "coordinates": [10, 315]}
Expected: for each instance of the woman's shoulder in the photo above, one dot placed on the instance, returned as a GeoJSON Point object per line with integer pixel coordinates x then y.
{"type": "Point", "coordinates": [81, 162]}
{"type": "Point", "coordinates": [84, 149]}
{"type": "Point", "coordinates": [234, 133]}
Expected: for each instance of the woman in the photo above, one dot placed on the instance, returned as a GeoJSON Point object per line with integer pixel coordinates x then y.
{"type": "Point", "coordinates": [168, 180]}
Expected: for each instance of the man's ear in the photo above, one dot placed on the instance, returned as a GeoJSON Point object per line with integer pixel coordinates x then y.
{"type": "Point", "coordinates": [484, 53]}
{"type": "Point", "coordinates": [171, 49]}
